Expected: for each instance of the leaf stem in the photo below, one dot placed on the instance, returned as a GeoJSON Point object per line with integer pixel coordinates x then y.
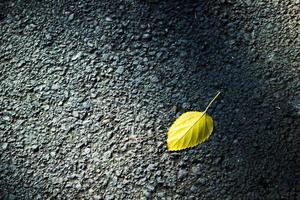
{"type": "Point", "coordinates": [212, 101]}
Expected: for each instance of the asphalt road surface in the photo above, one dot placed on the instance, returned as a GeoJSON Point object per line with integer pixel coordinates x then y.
{"type": "Point", "coordinates": [88, 89]}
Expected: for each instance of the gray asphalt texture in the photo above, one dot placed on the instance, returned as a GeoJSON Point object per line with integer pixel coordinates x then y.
{"type": "Point", "coordinates": [89, 88]}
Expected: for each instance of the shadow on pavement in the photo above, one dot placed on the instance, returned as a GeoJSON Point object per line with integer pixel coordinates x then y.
{"type": "Point", "coordinates": [253, 151]}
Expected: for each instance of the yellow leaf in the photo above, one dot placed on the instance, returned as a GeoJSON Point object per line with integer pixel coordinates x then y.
{"type": "Point", "coordinates": [190, 129]}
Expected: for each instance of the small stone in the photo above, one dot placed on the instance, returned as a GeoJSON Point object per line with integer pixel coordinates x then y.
{"type": "Point", "coordinates": [195, 170]}
{"type": "Point", "coordinates": [152, 53]}
{"type": "Point", "coordinates": [4, 146]}
{"type": "Point", "coordinates": [78, 186]}
{"type": "Point", "coordinates": [107, 155]}
{"type": "Point", "coordinates": [52, 154]}
{"type": "Point", "coordinates": [90, 44]}
{"type": "Point", "coordinates": [75, 57]}
{"type": "Point", "coordinates": [48, 37]}
{"type": "Point", "coordinates": [55, 87]}
{"type": "Point", "coordinates": [109, 70]}
{"type": "Point", "coordinates": [11, 197]}
{"type": "Point", "coordinates": [186, 105]}
{"type": "Point", "coordinates": [201, 181]}
{"type": "Point", "coordinates": [141, 68]}
{"type": "Point", "coordinates": [9, 47]}
{"type": "Point", "coordinates": [32, 26]}
{"type": "Point", "coordinates": [120, 70]}
{"type": "Point", "coordinates": [6, 118]}
{"type": "Point", "coordinates": [106, 121]}
{"type": "Point", "coordinates": [151, 167]}
{"type": "Point", "coordinates": [109, 197]}
{"type": "Point", "coordinates": [249, 2]}
{"type": "Point", "coordinates": [71, 17]}
{"type": "Point", "coordinates": [135, 62]}
{"type": "Point", "coordinates": [161, 194]}
{"type": "Point", "coordinates": [97, 197]}
{"type": "Point", "coordinates": [56, 180]}
{"type": "Point", "coordinates": [150, 188]}
{"type": "Point", "coordinates": [94, 95]}
{"type": "Point", "coordinates": [114, 181]}
{"type": "Point", "coordinates": [174, 109]}
{"type": "Point", "coordinates": [105, 57]}
{"type": "Point", "coordinates": [21, 63]}
{"type": "Point", "coordinates": [108, 19]}
{"type": "Point", "coordinates": [86, 151]}
{"type": "Point", "coordinates": [146, 193]}
{"type": "Point", "coordinates": [269, 26]}
{"type": "Point", "coordinates": [97, 29]}
{"type": "Point", "coordinates": [34, 147]}
{"type": "Point", "coordinates": [194, 189]}
{"type": "Point", "coordinates": [183, 54]}
{"type": "Point", "coordinates": [154, 79]}
{"type": "Point", "coordinates": [182, 174]}
{"type": "Point", "coordinates": [218, 160]}
{"type": "Point", "coordinates": [75, 113]}
{"type": "Point", "coordinates": [146, 36]}
{"type": "Point", "coordinates": [47, 107]}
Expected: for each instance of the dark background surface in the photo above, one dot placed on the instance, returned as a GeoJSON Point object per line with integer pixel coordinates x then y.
{"type": "Point", "coordinates": [89, 89]}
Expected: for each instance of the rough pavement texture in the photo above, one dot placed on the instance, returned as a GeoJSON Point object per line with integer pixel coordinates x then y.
{"type": "Point", "coordinates": [88, 89]}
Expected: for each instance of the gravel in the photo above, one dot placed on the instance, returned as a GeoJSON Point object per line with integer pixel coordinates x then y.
{"type": "Point", "coordinates": [89, 88]}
